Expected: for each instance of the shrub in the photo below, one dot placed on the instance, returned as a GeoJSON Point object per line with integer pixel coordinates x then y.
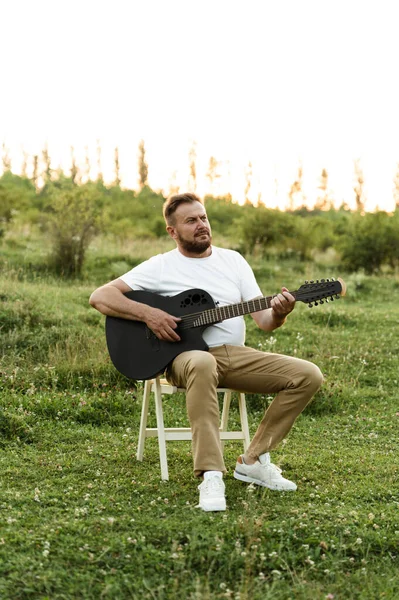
{"type": "Point", "coordinates": [73, 217]}
{"type": "Point", "coordinates": [373, 241]}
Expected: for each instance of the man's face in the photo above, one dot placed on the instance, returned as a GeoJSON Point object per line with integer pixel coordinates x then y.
{"type": "Point", "coordinates": [191, 229]}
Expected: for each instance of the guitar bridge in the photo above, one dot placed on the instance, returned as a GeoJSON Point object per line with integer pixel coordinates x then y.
{"type": "Point", "coordinates": [149, 333]}
{"type": "Point", "coordinates": [152, 338]}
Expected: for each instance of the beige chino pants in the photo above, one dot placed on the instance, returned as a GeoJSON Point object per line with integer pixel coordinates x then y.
{"type": "Point", "coordinates": [293, 380]}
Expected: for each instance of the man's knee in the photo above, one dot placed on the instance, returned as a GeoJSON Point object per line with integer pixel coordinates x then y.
{"type": "Point", "coordinates": [203, 364]}
{"type": "Point", "coordinates": [313, 377]}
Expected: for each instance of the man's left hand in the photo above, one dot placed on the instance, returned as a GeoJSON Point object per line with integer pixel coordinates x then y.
{"type": "Point", "coordinates": [282, 304]}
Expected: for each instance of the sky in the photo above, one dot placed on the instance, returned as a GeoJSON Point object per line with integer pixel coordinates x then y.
{"type": "Point", "coordinates": [275, 83]}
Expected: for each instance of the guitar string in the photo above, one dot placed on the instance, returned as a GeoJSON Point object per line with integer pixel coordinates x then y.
{"type": "Point", "coordinates": [189, 320]}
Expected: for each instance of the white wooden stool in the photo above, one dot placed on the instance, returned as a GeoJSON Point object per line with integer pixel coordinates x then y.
{"type": "Point", "coordinates": [159, 387]}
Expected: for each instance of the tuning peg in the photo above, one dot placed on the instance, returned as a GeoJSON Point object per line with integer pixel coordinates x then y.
{"type": "Point", "coordinates": [306, 281]}
{"type": "Point", "coordinates": [321, 301]}
{"type": "Point", "coordinates": [310, 305]}
{"type": "Point", "coordinates": [332, 299]}
{"type": "Point", "coordinates": [336, 296]}
{"type": "Point", "coordinates": [322, 280]}
{"type": "Point", "coordinates": [327, 300]}
{"type": "Point", "coordinates": [316, 303]}
{"type": "Point", "coordinates": [312, 281]}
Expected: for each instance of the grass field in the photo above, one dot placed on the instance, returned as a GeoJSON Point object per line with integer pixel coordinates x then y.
{"type": "Point", "coordinates": [81, 518]}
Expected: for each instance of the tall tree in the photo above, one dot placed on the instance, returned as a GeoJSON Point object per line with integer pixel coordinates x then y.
{"type": "Point", "coordinates": [87, 165]}
{"type": "Point", "coordinates": [117, 179]}
{"type": "Point", "coordinates": [173, 185]}
{"type": "Point", "coordinates": [6, 159]}
{"type": "Point", "coordinates": [24, 165]}
{"type": "Point", "coordinates": [296, 195]}
{"type": "Point", "coordinates": [100, 176]}
{"type": "Point", "coordinates": [35, 172]}
{"type": "Point", "coordinates": [212, 173]}
{"type": "Point", "coordinates": [46, 175]}
{"type": "Point", "coordinates": [359, 186]}
{"type": "Point", "coordinates": [74, 166]}
{"type": "Point", "coordinates": [143, 166]}
{"type": "Point", "coordinates": [323, 201]}
{"type": "Point", "coordinates": [192, 178]}
{"type": "Point", "coordinates": [248, 181]}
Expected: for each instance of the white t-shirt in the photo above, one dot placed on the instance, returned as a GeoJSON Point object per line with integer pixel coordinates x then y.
{"type": "Point", "coordinates": [225, 275]}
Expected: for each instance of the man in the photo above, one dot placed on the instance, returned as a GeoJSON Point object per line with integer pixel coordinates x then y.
{"type": "Point", "coordinates": [229, 279]}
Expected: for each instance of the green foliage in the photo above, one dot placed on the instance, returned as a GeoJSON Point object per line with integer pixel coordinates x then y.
{"type": "Point", "coordinates": [135, 215]}
{"type": "Point", "coordinates": [222, 213]}
{"type": "Point", "coordinates": [73, 216]}
{"type": "Point", "coordinates": [265, 228]}
{"type": "Point", "coordinates": [143, 166]}
{"type": "Point", "coordinates": [372, 241]}
{"type": "Point", "coordinates": [16, 195]}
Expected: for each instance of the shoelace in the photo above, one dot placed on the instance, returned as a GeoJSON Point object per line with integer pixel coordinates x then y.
{"type": "Point", "coordinates": [273, 467]}
{"type": "Point", "coordinates": [212, 485]}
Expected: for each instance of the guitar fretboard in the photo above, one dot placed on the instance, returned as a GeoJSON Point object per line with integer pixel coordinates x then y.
{"type": "Point", "coordinates": [311, 292]}
{"type": "Point", "coordinates": [217, 314]}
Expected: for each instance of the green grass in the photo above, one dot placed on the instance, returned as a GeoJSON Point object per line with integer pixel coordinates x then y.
{"type": "Point", "coordinates": [81, 518]}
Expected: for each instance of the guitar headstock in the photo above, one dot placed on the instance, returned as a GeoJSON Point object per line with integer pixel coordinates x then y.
{"type": "Point", "coordinates": [320, 291]}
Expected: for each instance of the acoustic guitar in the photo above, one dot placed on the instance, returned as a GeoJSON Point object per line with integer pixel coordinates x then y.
{"type": "Point", "coordinates": [138, 354]}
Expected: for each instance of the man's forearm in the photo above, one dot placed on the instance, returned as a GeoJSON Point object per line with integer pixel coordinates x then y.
{"type": "Point", "coordinates": [109, 301]}
{"type": "Point", "coordinates": [269, 320]}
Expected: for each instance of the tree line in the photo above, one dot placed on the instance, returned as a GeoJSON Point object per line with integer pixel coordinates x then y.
{"type": "Point", "coordinates": [70, 211]}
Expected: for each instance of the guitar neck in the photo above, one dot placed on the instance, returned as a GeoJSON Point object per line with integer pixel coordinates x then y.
{"type": "Point", "coordinates": [217, 314]}
{"type": "Point", "coordinates": [312, 293]}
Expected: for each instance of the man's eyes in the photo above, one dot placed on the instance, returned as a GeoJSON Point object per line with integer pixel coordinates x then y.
{"type": "Point", "coordinates": [204, 218]}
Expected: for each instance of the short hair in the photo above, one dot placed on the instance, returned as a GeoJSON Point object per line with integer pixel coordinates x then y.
{"type": "Point", "coordinates": [173, 202]}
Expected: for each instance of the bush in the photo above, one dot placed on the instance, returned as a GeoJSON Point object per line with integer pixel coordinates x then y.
{"type": "Point", "coordinates": [373, 241]}
{"type": "Point", "coordinates": [73, 217]}
{"type": "Point", "coordinates": [265, 228]}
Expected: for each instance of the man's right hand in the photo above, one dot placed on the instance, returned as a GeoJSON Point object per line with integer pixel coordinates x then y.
{"type": "Point", "coordinates": [162, 324]}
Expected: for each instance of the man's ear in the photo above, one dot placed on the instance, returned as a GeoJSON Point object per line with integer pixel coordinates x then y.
{"type": "Point", "coordinates": [171, 231]}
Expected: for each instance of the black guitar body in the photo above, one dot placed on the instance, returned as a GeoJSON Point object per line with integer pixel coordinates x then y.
{"type": "Point", "coordinates": [136, 351]}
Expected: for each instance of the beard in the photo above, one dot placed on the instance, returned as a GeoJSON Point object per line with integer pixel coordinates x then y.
{"type": "Point", "coordinates": [195, 246]}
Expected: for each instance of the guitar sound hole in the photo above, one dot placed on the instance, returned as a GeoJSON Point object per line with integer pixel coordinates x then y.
{"type": "Point", "coordinates": [193, 299]}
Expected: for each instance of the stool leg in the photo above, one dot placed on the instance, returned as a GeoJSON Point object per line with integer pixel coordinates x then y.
{"type": "Point", "coordinates": [225, 413]}
{"type": "Point", "coordinates": [244, 420]}
{"type": "Point", "coordinates": [143, 419]}
{"type": "Point", "coordinates": [161, 430]}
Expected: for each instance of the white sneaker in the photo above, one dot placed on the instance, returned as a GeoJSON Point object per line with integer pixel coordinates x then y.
{"type": "Point", "coordinates": [212, 492]}
{"type": "Point", "coordinates": [264, 473]}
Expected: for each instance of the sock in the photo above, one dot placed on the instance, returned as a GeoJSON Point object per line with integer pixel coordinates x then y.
{"type": "Point", "coordinates": [242, 461]}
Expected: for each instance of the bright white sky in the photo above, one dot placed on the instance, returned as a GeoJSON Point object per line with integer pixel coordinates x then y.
{"type": "Point", "coordinates": [271, 82]}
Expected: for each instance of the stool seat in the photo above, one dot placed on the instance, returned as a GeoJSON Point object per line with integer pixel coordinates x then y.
{"type": "Point", "coordinates": [159, 386]}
